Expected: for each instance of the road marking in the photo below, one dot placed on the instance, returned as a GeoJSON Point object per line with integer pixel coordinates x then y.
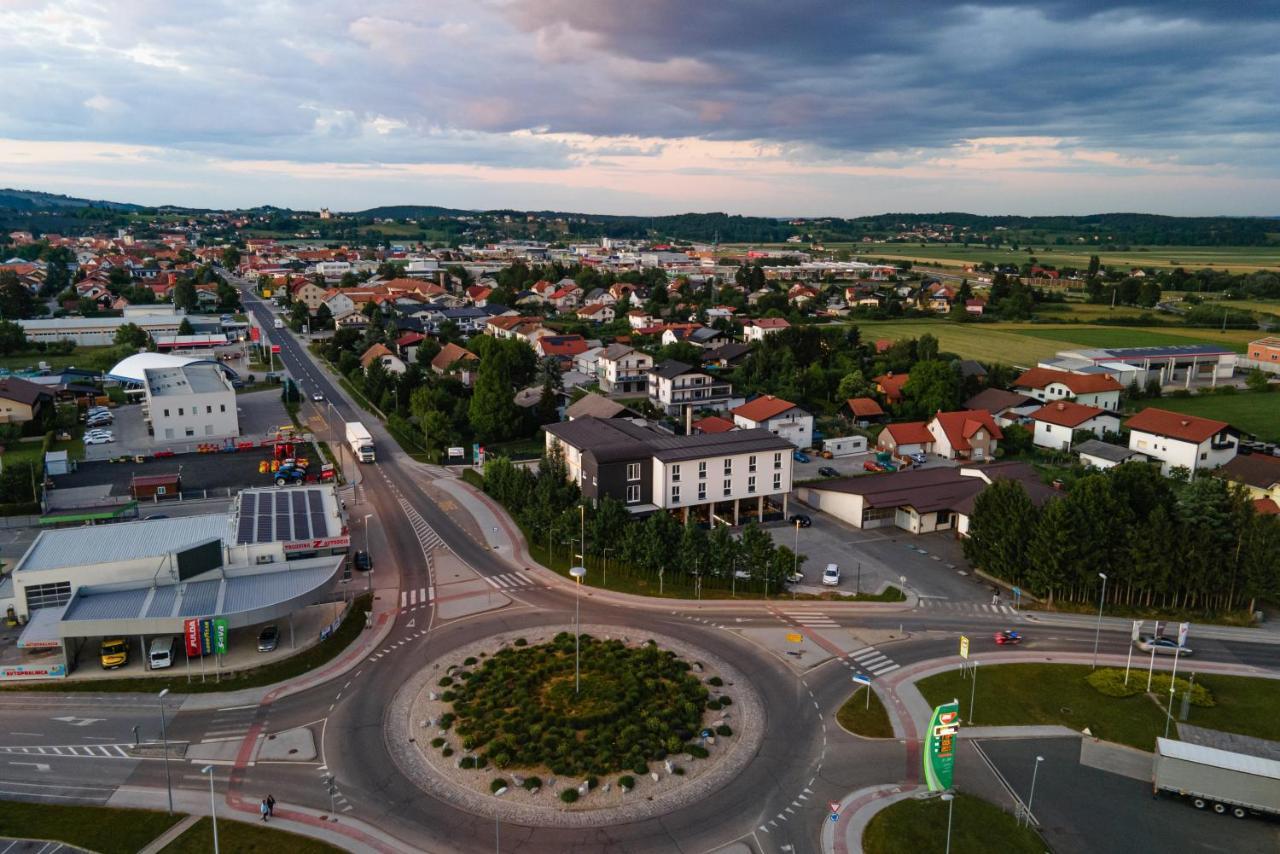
{"type": "Point", "coordinates": [75, 721]}
{"type": "Point", "coordinates": [423, 594]}
{"type": "Point", "coordinates": [39, 766]}
{"type": "Point", "coordinates": [404, 598]}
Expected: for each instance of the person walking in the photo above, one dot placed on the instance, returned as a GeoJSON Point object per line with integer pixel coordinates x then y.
{"type": "Point", "coordinates": [271, 806]}
{"type": "Point", "coordinates": [264, 809]}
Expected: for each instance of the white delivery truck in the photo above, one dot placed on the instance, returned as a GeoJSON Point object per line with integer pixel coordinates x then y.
{"type": "Point", "coordinates": [1222, 780]}
{"type": "Point", "coordinates": [360, 442]}
{"type": "Point", "coordinates": [163, 651]}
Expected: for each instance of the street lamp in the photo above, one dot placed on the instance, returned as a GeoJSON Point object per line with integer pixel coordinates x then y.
{"type": "Point", "coordinates": [577, 572]}
{"type": "Point", "coordinates": [1098, 628]}
{"type": "Point", "coordinates": [1030, 798]}
{"type": "Point", "coordinates": [795, 566]}
{"type": "Point", "coordinates": [369, 574]}
{"type": "Point", "coordinates": [951, 805]}
{"type": "Point", "coordinates": [213, 806]}
{"type": "Point", "coordinates": [164, 740]}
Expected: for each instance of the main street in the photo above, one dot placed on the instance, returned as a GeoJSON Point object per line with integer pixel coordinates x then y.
{"type": "Point", "coordinates": [778, 803]}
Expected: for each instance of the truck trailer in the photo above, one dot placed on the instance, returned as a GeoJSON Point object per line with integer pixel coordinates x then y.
{"type": "Point", "coordinates": [360, 442]}
{"type": "Point", "coordinates": [1221, 780]}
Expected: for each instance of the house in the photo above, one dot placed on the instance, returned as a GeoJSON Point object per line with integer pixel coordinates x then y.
{"type": "Point", "coordinates": [309, 294]}
{"type": "Point", "coordinates": [865, 410]}
{"type": "Point", "coordinates": [1178, 440]}
{"type": "Point", "coordinates": [456, 361]}
{"type": "Point", "coordinates": [726, 355]}
{"type": "Point", "coordinates": [720, 312]}
{"type": "Point", "coordinates": [596, 313]}
{"type": "Point", "coordinates": [1258, 473]}
{"type": "Point", "coordinates": [562, 348]}
{"type": "Point", "coordinates": [592, 405]}
{"type": "Point", "coordinates": [623, 370]}
{"type": "Point", "coordinates": [780, 417]}
{"type": "Point", "coordinates": [674, 385]}
{"type": "Point", "coordinates": [977, 306]}
{"type": "Point", "coordinates": [588, 361]}
{"type": "Point", "coordinates": [1096, 454]}
{"type": "Point", "coordinates": [478, 295]}
{"type": "Point", "coordinates": [905, 438]}
{"type": "Point", "coordinates": [1008, 407]}
{"type": "Point", "coordinates": [759, 329]}
{"type": "Point", "coordinates": [1056, 423]}
{"type": "Point", "coordinates": [379, 353]}
{"type": "Point", "coordinates": [566, 297]}
{"type": "Point", "coordinates": [712, 424]}
{"type": "Point", "coordinates": [639, 319]}
{"type": "Point", "coordinates": [968, 434]}
{"type": "Point", "coordinates": [22, 401]}
{"type": "Point", "coordinates": [890, 385]}
{"type": "Point", "coordinates": [674, 332]}
{"type": "Point", "coordinates": [1094, 389]}
{"type": "Point", "coordinates": [408, 343]}
{"type": "Point", "coordinates": [1265, 354]}
{"type": "Point", "coordinates": [717, 477]}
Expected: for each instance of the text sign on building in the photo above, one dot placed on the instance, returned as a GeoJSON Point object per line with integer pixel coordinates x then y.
{"type": "Point", "coordinates": [206, 636]}
{"type": "Point", "coordinates": [940, 746]}
{"type": "Point", "coordinates": [316, 545]}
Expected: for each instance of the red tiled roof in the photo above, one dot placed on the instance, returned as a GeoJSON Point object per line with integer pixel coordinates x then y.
{"type": "Point", "coordinates": [562, 345]}
{"type": "Point", "coordinates": [713, 424]}
{"type": "Point", "coordinates": [769, 323]}
{"type": "Point", "coordinates": [451, 353]}
{"type": "Point", "coordinates": [763, 408]}
{"type": "Point", "coordinates": [864, 407]}
{"type": "Point", "coordinates": [960, 426]}
{"type": "Point", "coordinates": [910, 433]}
{"type": "Point", "coordinates": [1078, 383]}
{"type": "Point", "coordinates": [409, 339]}
{"type": "Point", "coordinates": [1266, 507]}
{"type": "Point", "coordinates": [1066, 413]}
{"type": "Point", "coordinates": [892, 384]}
{"type": "Point", "coordinates": [1175, 425]}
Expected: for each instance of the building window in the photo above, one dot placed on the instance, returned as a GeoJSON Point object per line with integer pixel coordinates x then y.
{"type": "Point", "coordinates": [191, 431]}
{"type": "Point", "coordinates": [777, 482]}
{"type": "Point", "coordinates": [166, 413]}
{"type": "Point", "coordinates": [702, 491]}
{"type": "Point", "coordinates": [751, 463]}
{"type": "Point", "coordinates": [675, 495]}
{"type": "Point", "coordinates": [728, 467]}
{"type": "Point", "coordinates": [675, 474]}
{"type": "Point", "coordinates": [728, 487]}
{"type": "Point", "coordinates": [751, 485]}
{"type": "Point", "coordinates": [48, 595]}
{"type": "Point", "coordinates": [208, 410]}
{"type": "Point", "coordinates": [180, 410]}
{"type": "Point", "coordinates": [1204, 456]}
{"type": "Point", "coordinates": [224, 407]}
{"type": "Point", "coordinates": [702, 470]}
{"type": "Point", "coordinates": [633, 471]}
{"type": "Point", "coordinates": [633, 494]}
{"type": "Point", "coordinates": [777, 460]}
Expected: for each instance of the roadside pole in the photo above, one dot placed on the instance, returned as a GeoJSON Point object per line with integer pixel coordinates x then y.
{"type": "Point", "coordinates": [973, 690]}
{"type": "Point", "coordinates": [1137, 629]}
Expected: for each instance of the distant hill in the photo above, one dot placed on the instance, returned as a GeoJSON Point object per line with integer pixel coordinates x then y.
{"type": "Point", "coordinates": [34, 200]}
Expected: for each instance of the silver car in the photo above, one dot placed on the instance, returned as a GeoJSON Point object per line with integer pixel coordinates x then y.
{"type": "Point", "coordinates": [1162, 645]}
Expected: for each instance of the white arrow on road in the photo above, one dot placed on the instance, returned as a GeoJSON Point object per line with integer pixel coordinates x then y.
{"type": "Point", "coordinates": [39, 766]}
{"type": "Point", "coordinates": [74, 721]}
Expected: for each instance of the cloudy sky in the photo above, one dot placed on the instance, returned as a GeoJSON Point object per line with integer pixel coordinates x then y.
{"type": "Point", "coordinates": [649, 106]}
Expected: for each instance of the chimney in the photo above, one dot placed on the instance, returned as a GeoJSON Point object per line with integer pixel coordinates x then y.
{"type": "Point", "coordinates": [688, 420]}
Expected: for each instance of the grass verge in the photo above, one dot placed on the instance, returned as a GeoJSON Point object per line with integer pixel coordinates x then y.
{"type": "Point", "coordinates": [109, 831]}
{"type": "Point", "coordinates": [858, 719]}
{"type": "Point", "coordinates": [977, 827]}
{"type": "Point", "coordinates": [244, 838]}
{"type": "Point", "coordinates": [268, 674]}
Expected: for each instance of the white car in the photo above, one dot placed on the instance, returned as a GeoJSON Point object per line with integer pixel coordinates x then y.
{"type": "Point", "coordinates": [317, 397]}
{"type": "Point", "coordinates": [831, 575]}
{"type": "Point", "coordinates": [97, 440]}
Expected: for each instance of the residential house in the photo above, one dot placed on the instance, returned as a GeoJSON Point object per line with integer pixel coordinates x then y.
{"type": "Point", "coordinates": [976, 306]}
{"type": "Point", "coordinates": [566, 297]}
{"type": "Point", "coordinates": [1093, 389]}
{"type": "Point", "coordinates": [965, 435]}
{"type": "Point", "coordinates": [1178, 440]}
{"type": "Point", "coordinates": [1008, 407]}
{"type": "Point", "coordinates": [1056, 423]}
{"type": "Point", "coordinates": [592, 405]}
{"type": "Point", "coordinates": [599, 296]}
{"type": "Point", "coordinates": [674, 385]}
{"type": "Point", "coordinates": [1258, 473]}
{"type": "Point", "coordinates": [780, 417]}
{"type": "Point", "coordinates": [309, 294]}
{"type": "Point", "coordinates": [379, 353]}
{"type": "Point", "coordinates": [588, 361]}
{"type": "Point", "coordinates": [478, 295]}
{"type": "Point", "coordinates": [1096, 454]}
{"type": "Point", "coordinates": [720, 312]}
{"type": "Point", "coordinates": [905, 438]}
{"type": "Point", "coordinates": [639, 319]}
{"type": "Point", "coordinates": [22, 401]}
{"type": "Point", "coordinates": [890, 385]}
{"type": "Point", "coordinates": [673, 332]}
{"type": "Point", "coordinates": [453, 360]}
{"type": "Point", "coordinates": [727, 477]}
{"type": "Point", "coordinates": [760, 328]}
{"type": "Point", "coordinates": [407, 345]}
{"type": "Point", "coordinates": [726, 355]}
{"type": "Point", "coordinates": [801, 295]}
{"type": "Point", "coordinates": [623, 370]}
{"type": "Point", "coordinates": [562, 348]}
{"type": "Point", "coordinates": [596, 313]}
{"type": "Point", "coordinates": [865, 410]}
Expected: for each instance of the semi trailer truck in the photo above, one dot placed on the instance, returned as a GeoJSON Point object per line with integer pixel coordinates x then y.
{"type": "Point", "coordinates": [1220, 780]}
{"type": "Point", "coordinates": [360, 442]}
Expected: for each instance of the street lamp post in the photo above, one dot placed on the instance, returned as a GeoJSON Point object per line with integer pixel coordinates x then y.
{"type": "Point", "coordinates": [213, 806]}
{"type": "Point", "coordinates": [1031, 797]}
{"type": "Point", "coordinates": [577, 572]}
{"type": "Point", "coordinates": [1098, 627]}
{"type": "Point", "coordinates": [369, 574]}
{"type": "Point", "coordinates": [951, 805]}
{"type": "Point", "coordinates": [795, 566]}
{"type": "Point", "coordinates": [605, 581]}
{"type": "Point", "coordinates": [164, 740]}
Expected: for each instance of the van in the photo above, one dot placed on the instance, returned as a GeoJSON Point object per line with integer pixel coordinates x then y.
{"type": "Point", "coordinates": [279, 323]}
{"type": "Point", "coordinates": [163, 651]}
{"type": "Point", "coordinates": [113, 653]}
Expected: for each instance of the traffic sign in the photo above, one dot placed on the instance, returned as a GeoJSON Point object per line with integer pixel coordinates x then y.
{"type": "Point", "coordinates": [835, 805]}
{"type": "Point", "coordinates": [862, 678]}
{"type": "Point", "coordinates": [795, 637]}
{"type": "Point", "coordinates": [964, 647]}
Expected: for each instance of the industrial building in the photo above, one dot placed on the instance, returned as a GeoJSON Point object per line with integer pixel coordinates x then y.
{"type": "Point", "coordinates": [194, 401]}
{"type": "Point", "coordinates": [1174, 364]}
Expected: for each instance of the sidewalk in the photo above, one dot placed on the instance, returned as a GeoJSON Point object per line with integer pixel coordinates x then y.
{"type": "Point", "coordinates": [856, 810]}
{"type": "Point", "coordinates": [1267, 632]}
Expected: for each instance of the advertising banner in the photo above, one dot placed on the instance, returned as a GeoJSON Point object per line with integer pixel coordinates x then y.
{"type": "Point", "coordinates": [964, 647]}
{"type": "Point", "coordinates": [940, 746]}
{"type": "Point", "coordinates": [191, 634]}
{"type": "Point", "coordinates": [206, 637]}
{"type": "Point", "coordinates": [1137, 628]}
{"type": "Point", "coordinates": [220, 635]}
{"type": "Point", "coordinates": [32, 671]}
{"type": "Point", "coordinates": [1183, 630]}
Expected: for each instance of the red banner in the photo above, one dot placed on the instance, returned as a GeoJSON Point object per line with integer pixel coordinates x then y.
{"type": "Point", "coordinates": [191, 631]}
{"type": "Point", "coordinates": [254, 333]}
{"type": "Point", "coordinates": [275, 348]}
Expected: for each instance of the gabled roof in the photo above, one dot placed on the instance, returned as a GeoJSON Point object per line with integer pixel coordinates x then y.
{"type": "Point", "coordinates": [910, 433]}
{"type": "Point", "coordinates": [713, 424]}
{"type": "Point", "coordinates": [1077, 383]}
{"type": "Point", "coordinates": [1175, 425]}
{"type": "Point", "coordinates": [670, 369]}
{"type": "Point", "coordinates": [763, 408]}
{"type": "Point", "coordinates": [451, 354]}
{"type": "Point", "coordinates": [410, 338]}
{"type": "Point", "coordinates": [596, 406]}
{"type": "Point", "coordinates": [1257, 470]}
{"type": "Point", "coordinates": [864, 407]}
{"type": "Point", "coordinates": [1066, 413]}
{"type": "Point", "coordinates": [892, 384]}
{"type": "Point", "coordinates": [377, 351]}
{"type": "Point", "coordinates": [22, 391]}
{"type": "Point", "coordinates": [997, 400]}
{"type": "Point", "coordinates": [562, 345]}
{"type": "Point", "coordinates": [961, 426]}
{"type": "Point", "coordinates": [1105, 451]}
{"type": "Point", "coordinates": [769, 323]}
{"type": "Point", "coordinates": [1266, 507]}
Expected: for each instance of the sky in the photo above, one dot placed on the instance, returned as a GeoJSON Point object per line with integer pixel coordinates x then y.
{"type": "Point", "coordinates": [796, 108]}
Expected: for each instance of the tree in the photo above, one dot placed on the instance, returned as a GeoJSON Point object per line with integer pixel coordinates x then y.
{"type": "Point", "coordinates": [997, 541]}
{"type": "Point", "coordinates": [853, 384]}
{"type": "Point", "coordinates": [493, 411]}
{"type": "Point", "coordinates": [185, 328]}
{"type": "Point", "coordinates": [927, 347]}
{"type": "Point", "coordinates": [131, 335]}
{"type": "Point", "coordinates": [13, 339]}
{"type": "Point", "coordinates": [184, 296]}
{"type": "Point", "coordinates": [933, 386]}
{"type": "Point", "coordinates": [231, 258]}
{"type": "Point", "coordinates": [228, 297]}
{"type": "Point", "coordinates": [1257, 380]}
{"type": "Point", "coordinates": [298, 315]}
{"type": "Point", "coordinates": [15, 300]}
{"type": "Point", "coordinates": [323, 318]}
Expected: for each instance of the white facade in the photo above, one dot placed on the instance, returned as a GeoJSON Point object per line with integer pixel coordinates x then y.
{"type": "Point", "coordinates": [1057, 437]}
{"type": "Point", "coordinates": [795, 425]}
{"type": "Point", "coordinates": [1171, 453]}
{"type": "Point", "coordinates": [1059, 391]}
{"type": "Point", "coordinates": [752, 331]}
{"type": "Point", "coordinates": [693, 388]}
{"type": "Point", "coordinates": [758, 475]}
{"type": "Point", "coordinates": [332, 269]}
{"type": "Point", "coordinates": [626, 373]}
{"type": "Point", "coordinates": [844, 446]}
{"type": "Point", "coordinates": [192, 403]}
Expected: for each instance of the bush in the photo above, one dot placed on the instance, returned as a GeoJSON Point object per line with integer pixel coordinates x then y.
{"type": "Point", "coordinates": [532, 783]}
{"type": "Point", "coordinates": [496, 784]}
{"type": "Point", "coordinates": [447, 752]}
{"type": "Point", "coordinates": [521, 642]}
{"type": "Point", "coordinates": [626, 781]}
{"type": "Point", "coordinates": [437, 742]}
{"type": "Point", "coordinates": [713, 705]}
{"type": "Point", "coordinates": [469, 661]}
{"type": "Point", "coordinates": [447, 696]}
{"type": "Point", "coordinates": [445, 681]}
{"type": "Point", "coordinates": [447, 719]}
{"type": "Point", "coordinates": [725, 701]}
{"type": "Point", "coordinates": [592, 782]}
{"type": "Point", "coordinates": [697, 751]}
{"type": "Point", "coordinates": [467, 762]}
{"type": "Point", "coordinates": [569, 795]}
{"type": "Point", "coordinates": [715, 681]}
{"type": "Point", "coordinates": [677, 770]}
{"type": "Point", "coordinates": [641, 767]}
{"type": "Point", "coordinates": [724, 730]}
{"type": "Point", "coordinates": [1109, 681]}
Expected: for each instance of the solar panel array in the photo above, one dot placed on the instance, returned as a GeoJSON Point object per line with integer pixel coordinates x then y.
{"type": "Point", "coordinates": [281, 516]}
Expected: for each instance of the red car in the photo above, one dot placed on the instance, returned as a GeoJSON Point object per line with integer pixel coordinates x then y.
{"type": "Point", "coordinates": [1008, 637]}
{"type": "Point", "coordinates": [872, 465]}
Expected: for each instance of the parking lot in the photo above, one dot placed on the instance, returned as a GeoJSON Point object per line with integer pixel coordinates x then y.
{"type": "Point", "coordinates": [850, 465]}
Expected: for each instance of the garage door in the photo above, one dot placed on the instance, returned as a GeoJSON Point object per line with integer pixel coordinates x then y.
{"type": "Point", "coordinates": [902, 519]}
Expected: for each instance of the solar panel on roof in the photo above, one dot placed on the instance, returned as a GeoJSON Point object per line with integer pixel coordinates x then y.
{"type": "Point", "coordinates": [319, 522]}
{"type": "Point", "coordinates": [301, 527]}
{"type": "Point", "coordinates": [283, 530]}
{"type": "Point", "coordinates": [264, 524]}
{"type": "Point", "coordinates": [248, 513]}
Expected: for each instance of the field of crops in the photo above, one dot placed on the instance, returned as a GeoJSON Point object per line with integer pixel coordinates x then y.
{"type": "Point", "coordinates": [1242, 259]}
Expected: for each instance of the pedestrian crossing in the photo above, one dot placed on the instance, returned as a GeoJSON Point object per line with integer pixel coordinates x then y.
{"type": "Point", "coordinates": [811, 619]}
{"type": "Point", "coordinates": [77, 751]}
{"type": "Point", "coordinates": [414, 598]}
{"type": "Point", "coordinates": [231, 722]}
{"type": "Point", "coordinates": [968, 607]}
{"type": "Point", "coordinates": [872, 661]}
{"type": "Point", "coordinates": [508, 580]}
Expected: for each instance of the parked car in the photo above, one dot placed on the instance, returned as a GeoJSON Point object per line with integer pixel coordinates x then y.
{"type": "Point", "coordinates": [1162, 645]}
{"type": "Point", "coordinates": [98, 440]}
{"type": "Point", "coordinates": [826, 455]}
{"type": "Point", "coordinates": [919, 458]}
{"type": "Point", "coordinates": [872, 465]}
{"type": "Point", "coordinates": [101, 434]}
{"type": "Point", "coordinates": [742, 575]}
{"type": "Point", "coordinates": [800, 519]}
{"type": "Point", "coordinates": [1008, 636]}
{"type": "Point", "coordinates": [828, 471]}
{"type": "Point", "coordinates": [269, 639]}
{"type": "Point", "coordinates": [363, 562]}
{"type": "Point", "coordinates": [800, 457]}
{"type": "Point", "coordinates": [831, 575]}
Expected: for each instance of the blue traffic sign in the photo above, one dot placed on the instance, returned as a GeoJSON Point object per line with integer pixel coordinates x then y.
{"type": "Point", "coordinates": [835, 817]}
{"type": "Point", "coordinates": [862, 678]}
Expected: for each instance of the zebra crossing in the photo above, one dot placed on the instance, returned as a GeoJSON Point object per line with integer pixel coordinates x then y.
{"type": "Point", "coordinates": [871, 660]}
{"type": "Point", "coordinates": [231, 722]}
{"type": "Point", "coordinates": [968, 607]}
{"type": "Point", "coordinates": [416, 597]}
{"type": "Point", "coordinates": [427, 536]}
{"type": "Point", "coordinates": [78, 751]}
{"type": "Point", "coordinates": [508, 581]}
{"type": "Point", "coordinates": [811, 619]}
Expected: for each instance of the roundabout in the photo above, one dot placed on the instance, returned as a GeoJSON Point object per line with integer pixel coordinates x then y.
{"type": "Point", "coordinates": [497, 728]}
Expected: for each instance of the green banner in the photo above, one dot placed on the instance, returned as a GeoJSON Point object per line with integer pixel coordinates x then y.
{"type": "Point", "coordinates": [940, 746]}
{"type": "Point", "coordinates": [220, 635]}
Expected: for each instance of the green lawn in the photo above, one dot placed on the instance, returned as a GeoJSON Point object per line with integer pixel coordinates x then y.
{"type": "Point", "coordinates": [1027, 694]}
{"type": "Point", "coordinates": [858, 719]}
{"type": "Point", "coordinates": [1141, 336]}
{"type": "Point", "coordinates": [244, 838]}
{"type": "Point", "coordinates": [108, 831]}
{"type": "Point", "coordinates": [977, 827]}
{"type": "Point", "coordinates": [1257, 413]}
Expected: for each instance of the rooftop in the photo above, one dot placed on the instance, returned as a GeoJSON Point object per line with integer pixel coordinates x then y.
{"type": "Point", "coordinates": [1176, 425]}
{"type": "Point", "coordinates": [1077, 383]}
{"type": "Point", "coordinates": [1066, 413]}
{"type": "Point", "coordinates": [617, 439]}
{"type": "Point", "coordinates": [1103, 354]}
{"type": "Point", "coordinates": [763, 408]}
{"type": "Point", "coordinates": [1257, 470]}
{"type": "Point", "coordinates": [196, 378]}
{"type": "Point", "coordinates": [123, 541]}
{"type": "Point", "coordinates": [1105, 451]}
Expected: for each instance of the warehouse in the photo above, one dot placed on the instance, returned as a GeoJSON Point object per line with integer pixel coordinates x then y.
{"type": "Point", "coordinates": [194, 401]}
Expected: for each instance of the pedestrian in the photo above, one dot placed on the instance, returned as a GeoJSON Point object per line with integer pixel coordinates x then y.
{"type": "Point", "coordinates": [264, 809]}
{"type": "Point", "coordinates": [271, 806]}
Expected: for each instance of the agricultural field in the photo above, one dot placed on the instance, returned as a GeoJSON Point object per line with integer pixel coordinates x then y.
{"type": "Point", "coordinates": [1238, 259]}
{"type": "Point", "coordinates": [1253, 412]}
{"type": "Point", "coordinates": [1140, 336]}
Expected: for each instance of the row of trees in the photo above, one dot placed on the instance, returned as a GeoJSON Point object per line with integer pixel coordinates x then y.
{"type": "Point", "coordinates": [1161, 541]}
{"type": "Point", "coordinates": [548, 504]}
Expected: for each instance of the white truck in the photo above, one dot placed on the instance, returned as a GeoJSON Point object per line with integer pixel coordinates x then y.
{"type": "Point", "coordinates": [1218, 779]}
{"type": "Point", "coordinates": [360, 442]}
